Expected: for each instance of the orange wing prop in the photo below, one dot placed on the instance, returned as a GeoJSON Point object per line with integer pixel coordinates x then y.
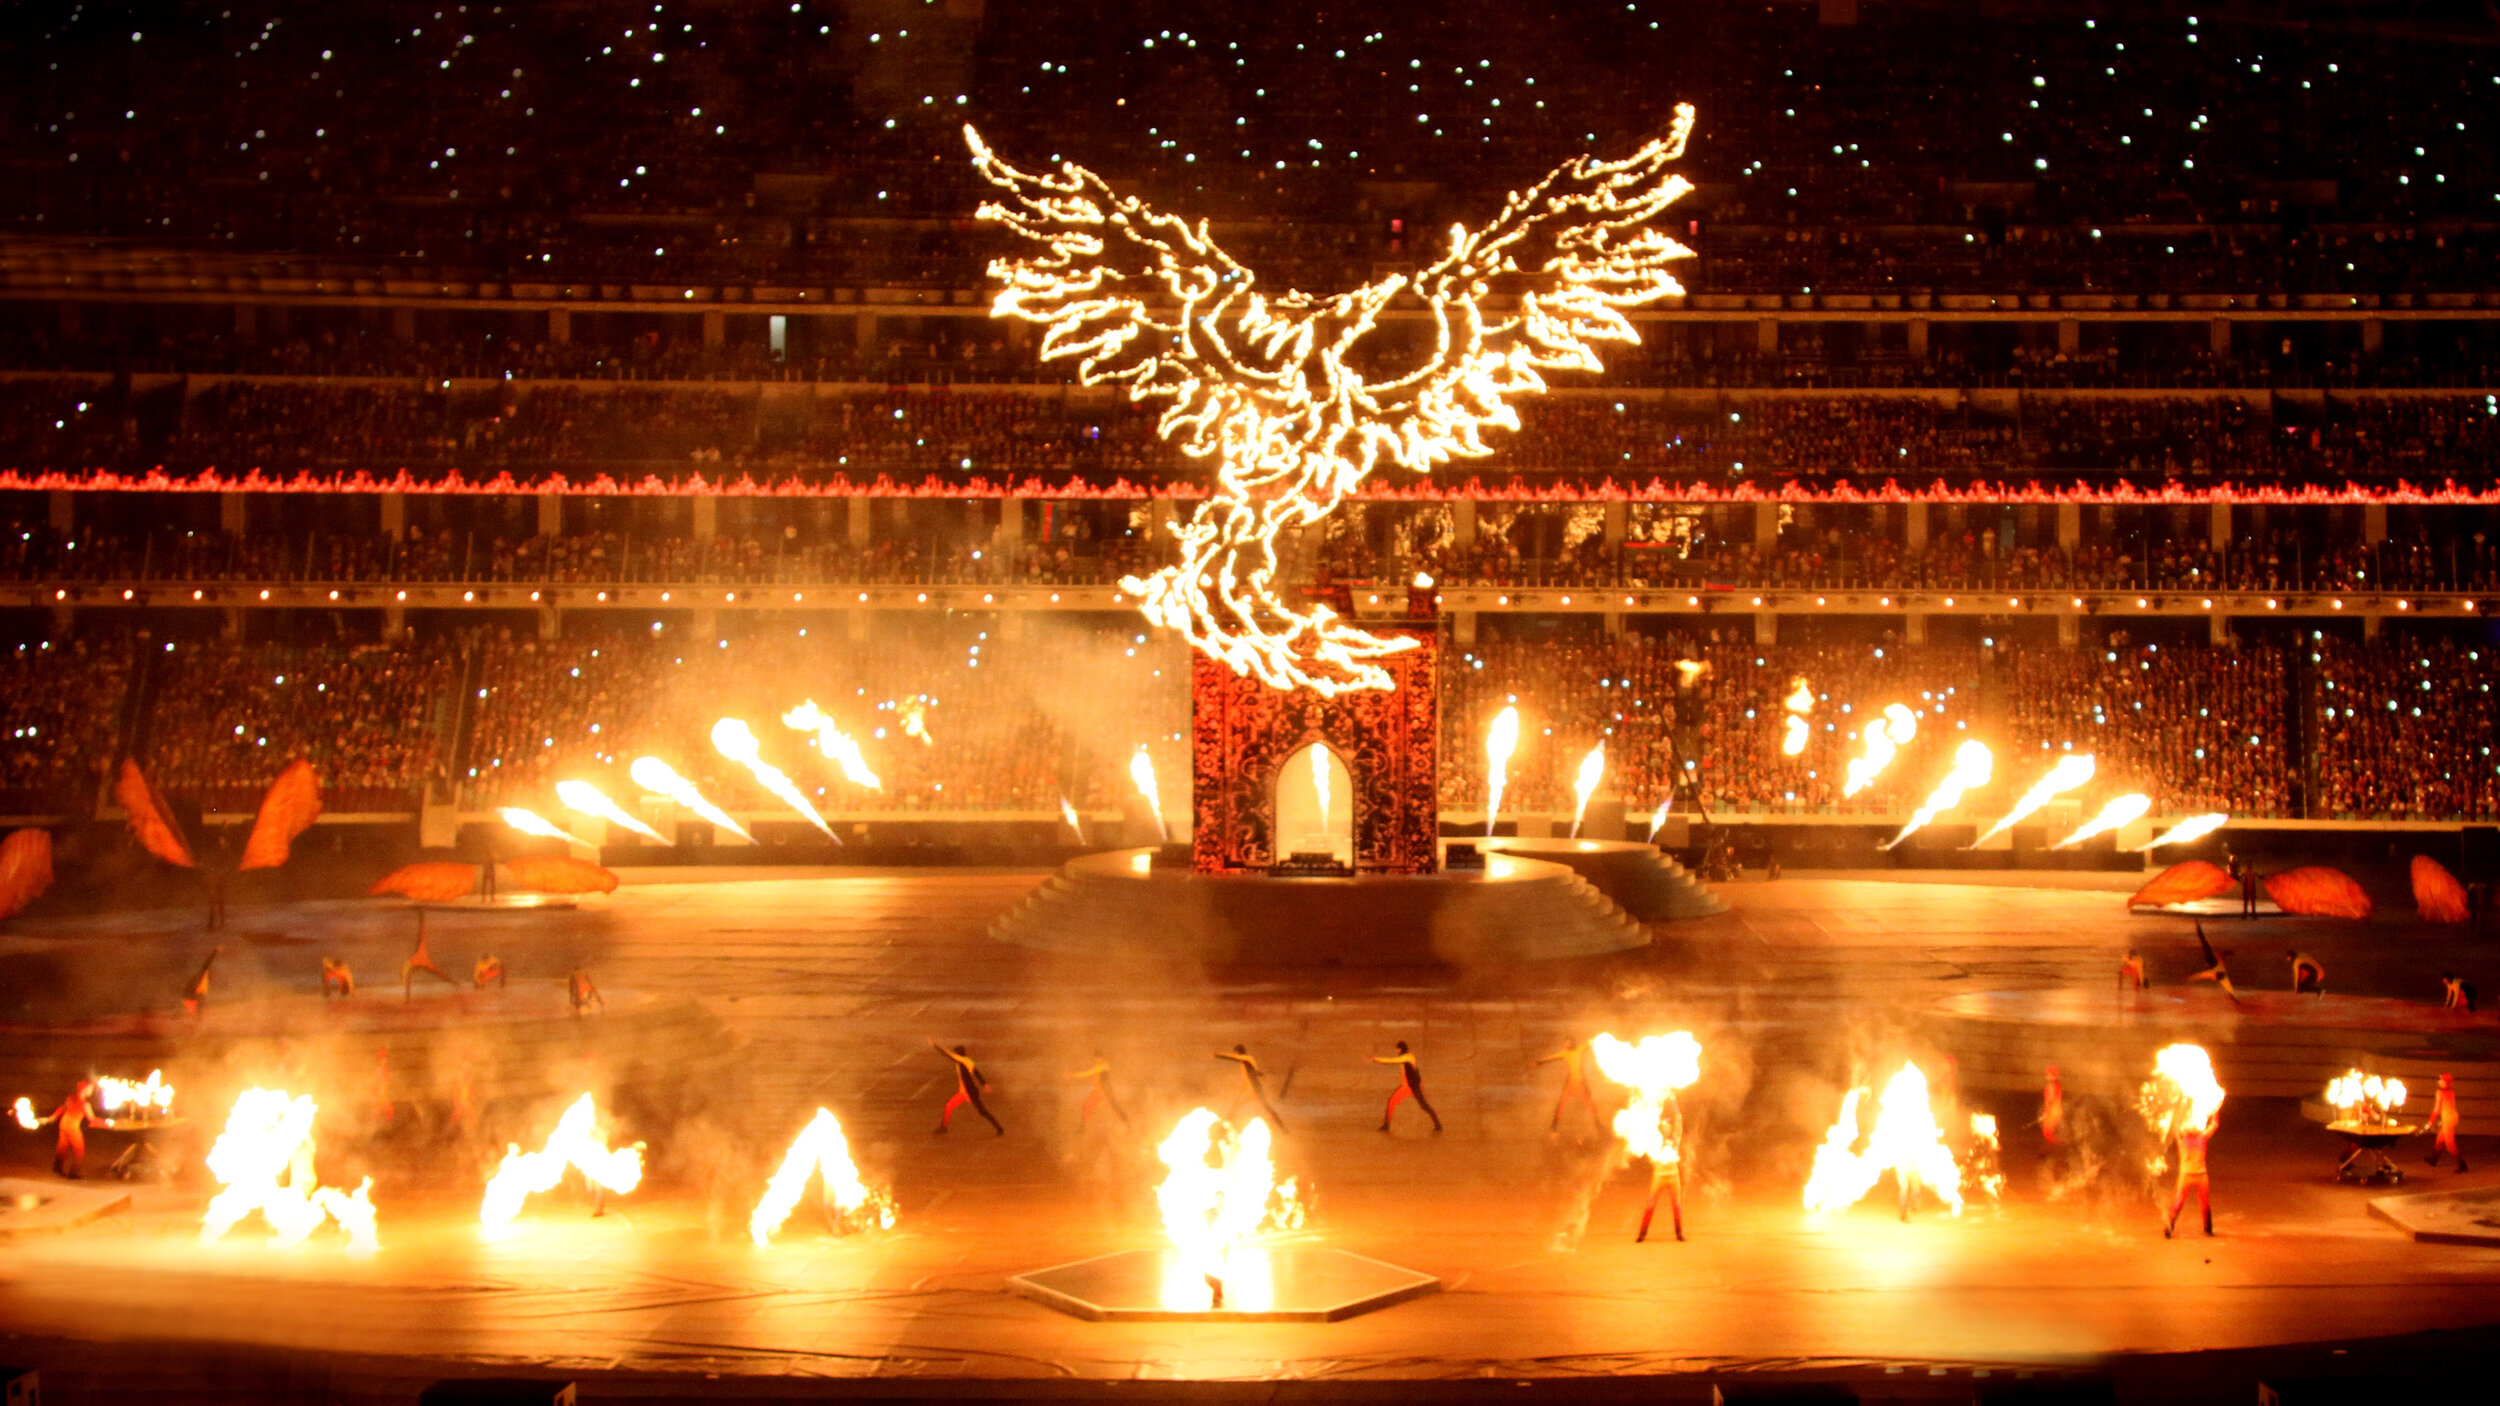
{"type": "Point", "coordinates": [428, 881]}
{"type": "Point", "coordinates": [559, 873]}
{"type": "Point", "coordinates": [2437, 895]}
{"type": "Point", "coordinates": [25, 869]}
{"type": "Point", "coordinates": [290, 806]}
{"type": "Point", "coordinates": [2184, 883]}
{"type": "Point", "coordinates": [149, 819]}
{"type": "Point", "coordinates": [2315, 891]}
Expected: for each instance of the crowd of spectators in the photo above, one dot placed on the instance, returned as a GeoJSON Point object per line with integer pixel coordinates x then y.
{"type": "Point", "coordinates": [2405, 730]}
{"type": "Point", "coordinates": [60, 718]}
{"type": "Point", "coordinates": [375, 722]}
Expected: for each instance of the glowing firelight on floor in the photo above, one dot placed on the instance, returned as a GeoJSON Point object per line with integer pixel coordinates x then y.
{"type": "Point", "coordinates": [1220, 1191]}
{"type": "Point", "coordinates": [2182, 1093]}
{"type": "Point", "coordinates": [1592, 771]}
{"type": "Point", "coordinates": [1885, 737]}
{"type": "Point", "coordinates": [733, 739]}
{"type": "Point", "coordinates": [2071, 771]}
{"type": "Point", "coordinates": [530, 822]}
{"type": "Point", "coordinates": [1973, 764]}
{"type": "Point", "coordinates": [1653, 1069]}
{"type": "Point", "coordinates": [2122, 812]}
{"type": "Point", "coordinates": [839, 747]}
{"type": "Point", "coordinates": [590, 800]}
{"type": "Point", "coordinates": [1141, 774]}
{"type": "Point", "coordinates": [264, 1162]}
{"type": "Point", "coordinates": [1500, 740]}
{"type": "Point", "coordinates": [1905, 1141]}
{"type": "Point", "coordinates": [1798, 703]}
{"type": "Point", "coordinates": [823, 1151]}
{"type": "Point", "coordinates": [2195, 827]}
{"type": "Point", "coordinates": [660, 779]}
{"type": "Point", "coordinates": [577, 1143]}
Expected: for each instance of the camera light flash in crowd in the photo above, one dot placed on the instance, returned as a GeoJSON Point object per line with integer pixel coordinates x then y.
{"type": "Point", "coordinates": [821, 1149]}
{"type": "Point", "coordinates": [2071, 771]}
{"type": "Point", "coordinates": [839, 747]}
{"type": "Point", "coordinates": [1795, 729]}
{"type": "Point", "coordinates": [1220, 1190]}
{"type": "Point", "coordinates": [2182, 1093]}
{"type": "Point", "coordinates": [576, 1142]}
{"type": "Point", "coordinates": [660, 779]}
{"type": "Point", "coordinates": [736, 741]}
{"type": "Point", "coordinates": [1905, 1141]}
{"type": "Point", "coordinates": [530, 822]}
{"type": "Point", "coordinates": [1653, 1069]}
{"type": "Point", "coordinates": [1271, 386]}
{"type": "Point", "coordinates": [1583, 786]}
{"type": "Point", "coordinates": [590, 800]}
{"type": "Point", "coordinates": [263, 1162]}
{"type": "Point", "coordinates": [1500, 740]}
{"type": "Point", "coordinates": [2124, 811]}
{"type": "Point", "coordinates": [1141, 774]}
{"type": "Point", "coordinates": [1885, 737]}
{"type": "Point", "coordinates": [2195, 827]}
{"type": "Point", "coordinates": [1973, 764]}
{"type": "Point", "coordinates": [2365, 1099]}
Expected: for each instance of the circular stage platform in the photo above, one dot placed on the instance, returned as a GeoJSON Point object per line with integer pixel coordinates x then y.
{"type": "Point", "coordinates": [1514, 909]}
{"type": "Point", "coordinates": [1642, 879]}
{"type": "Point", "coordinates": [2271, 1045]}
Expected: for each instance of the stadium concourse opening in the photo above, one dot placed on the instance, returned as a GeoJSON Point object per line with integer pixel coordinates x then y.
{"type": "Point", "coordinates": [711, 700]}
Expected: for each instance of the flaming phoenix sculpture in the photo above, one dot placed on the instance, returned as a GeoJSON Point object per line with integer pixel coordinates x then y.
{"type": "Point", "coordinates": [1277, 388]}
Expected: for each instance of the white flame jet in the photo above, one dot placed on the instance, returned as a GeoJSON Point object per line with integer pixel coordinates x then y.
{"type": "Point", "coordinates": [589, 800]}
{"type": "Point", "coordinates": [1141, 773]}
{"type": "Point", "coordinates": [660, 779]}
{"type": "Point", "coordinates": [737, 742]}
{"type": "Point", "coordinates": [1500, 741]}
{"type": "Point", "coordinates": [1592, 770]}
{"type": "Point", "coordinates": [2071, 771]}
{"type": "Point", "coordinates": [839, 747]}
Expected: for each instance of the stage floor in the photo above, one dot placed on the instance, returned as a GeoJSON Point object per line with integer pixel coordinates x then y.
{"type": "Point", "coordinates": [834, 981]}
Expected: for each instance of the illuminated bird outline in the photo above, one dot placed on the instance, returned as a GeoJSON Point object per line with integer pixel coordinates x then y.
{"type": "Point", "coordinates": [1266, 385]}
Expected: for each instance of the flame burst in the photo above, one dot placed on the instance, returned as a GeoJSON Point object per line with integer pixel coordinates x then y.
{"type": "Point", "coordinates": [2181, 1094]}
{"type": "Point", "coordinates": [822, 1149]}
{"type": "Point", "coordinates": [734, 740]}
{"type": "Point", "coordinates": [1799, 702]}
{"type": "Point", "coordinates": [151, 1097]}
{"type": "Point", "coordinates": [2195, 827]}
{"type": "Point", "coordinates": [1658, 817]}
{"type": "Point", "coordinates": [1982, 1166]}
{"type": "Point", "coordinates": [1653, 1070]}
{"type": "Point", "coordinates": [24, 1111]}
{"type": "Point", "coordinates": [1885, 737]}
{"type": "Point", "coordinates": [915, 713]}
{"type": "Point", "coordinates": [2071, 771]}
{"type": "Point", "coordinates": [839, 747]}
{"type": "Point", "coordinates": [530, 822]}
{"type": "Point", "coordinates": [1141, 773]}
{"type": "Point", "coordinates": [576, 1142]}
{"type": "Point", "coordinates": [1319, 779]}
{"type": "Point", "coordinates": [2366, 1099]}
{"type": "Point", "coordinates": [590, 800]}
{"type": "Point", "coordinates": [1220, 1191]}
{"type": "Point", "coordinates": [1973, 764]}
{"type": "Point", "coordinates": [1067, 812]}
{"type": "Point", "coordinates": [1906, 1141]}
{"type": "Point", "coordinates": [1272, 387]}
{"type": "Point", "coordinates": [660, 779]}
{"type": "Point", "coordinates": [1592, 770]}
{"type": "Point", "coordinates": [2125, 810]}
{"type": "Point", "coordinates": [264, 1162]}
{"type": "Point", "coordinates": [1500, 740]}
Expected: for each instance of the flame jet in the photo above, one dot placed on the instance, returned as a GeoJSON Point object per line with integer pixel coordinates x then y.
{"type": "Point", "coordinates": [1973, 764]}
{"type": "Point", "coordinates": [590, 800]}
{"type": "Point", "coordinates": [2195, 827]}
{"type": "Point", "coordinates": [1141, 773]}
{"type": "Point", "coordinates": [658, 778]}
{"type": "Point", "coordinates": [736, 741]}
{"type": "Point", "coordinates": [1885, 737]}
{"type": "Point", "coordinates": [1592, 771]}
{"type": "Point", "coordinates": [2071, 771]}
{"type": "Point", "coordinates": [1500, 741]}
{"type": "Point", "coordinates": [2125, 810]}
{"type": "Point", "coordinates": [530, 822]}
{"type": "Point", "coordinates": [1269, 385]}
{"type": "Point", "coordinates": [839, 747]}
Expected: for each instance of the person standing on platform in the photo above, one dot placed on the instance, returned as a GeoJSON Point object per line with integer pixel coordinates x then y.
{"type": "Point", "coordinates": [1255, 1080]}
{"type": "Point", "coordinates": [2053, 1113]}
{"type": "Point", "coordinates": [2308, 973]}
{"type": "Point", "coordinates": [1410, 1085]}
{"type": "Point", "coordinates": [970, 1084]}
{"type": "Point", "coordinates": [2193, 1176]}
{"type": "Point", "coordinates": [1574, 1058]}
{"type": "Point", "coordinates": [69, 1130]}
{"type": "Point", "coordinates": [1100, 1093]}
{"type": "Point", "coordinates": [2441, 1123]}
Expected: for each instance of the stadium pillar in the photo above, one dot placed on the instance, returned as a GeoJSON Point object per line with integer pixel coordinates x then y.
{"type": "Point", "coordinates": [394, 514]}
{"type": "Point", "coordinates": [1766, 627]}
{"type": "Point", "coordinates": [1914, 628]}
{"type": "Point", "coordinates": [2069, 336]}
{"type": "Point", "coordinates": [2069, 527]}
{"type": "Point", "coordinates": [2069, 629]}
{"type": "Point", "coordinates": [706, 517]}
{"type": "Point", "coordinates": [1614, 624]}
{"type": "Point", "coordinates": [2374, 523]}
{"type": "Point", "coordinates": [394, 623]}
{"type": "Point", "coordinates": [1010, 539]}
{"type": "Point", "coordinates": [715, 328]}
{"type": "Point", "coordinates": [858, 529]}
{"type": "Point", "coordinates": [2218, 526]}
{"type": "Point", "coordinates": [707, 625]}
{"type": "Point", "coordinates": [1918, 339]}
{"type": "Point", "coordinates": [559, 325]}
{"type": "Point", "coordinates": [2373, 335]}
{"type": "Point", "coordinates": [1914, 528]}
{"type": "Point", "coordinates": [2218, 336]}
{"type": "Point", "coordinates": [2369, 626]}
{"type": "Point", "coordinates": [1766, 336]}
{"type": "Point", "coordinates": [234, 513]}
{"type": "Point", "coordinates": [246, 321]}
{"type": "Point", "coordinates": [864, 332]}
{"type": "Point", "coordinates": [1766, 528]}
{"type": "Point", "coordinates": [1463, 626]}
{"type": "Point", "coordinates": [404, 324]}
{"type": "Point", "coordinates": [1463, 524]}
{"type": "Point", "coordinates": [2218, 628]}
{"type": "Point", "coordinates": [61, 510]}
{"type": "Point", "coordinates": [1618, 523]}
{"type": "Point", "coordinates": [551, 514]}
{"type": "Point", "coordinates": [64, 617]}
{"type": "Point", "coordinates": [550, 623]}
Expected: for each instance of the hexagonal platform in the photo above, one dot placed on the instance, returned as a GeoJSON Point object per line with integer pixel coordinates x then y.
{"type": "Point", "coordinates": [32, 1206]}
{"type": "Point", "coordinates": [1296, 1284]}
{"type": "Point", "coordinates": [2469, 1217]}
